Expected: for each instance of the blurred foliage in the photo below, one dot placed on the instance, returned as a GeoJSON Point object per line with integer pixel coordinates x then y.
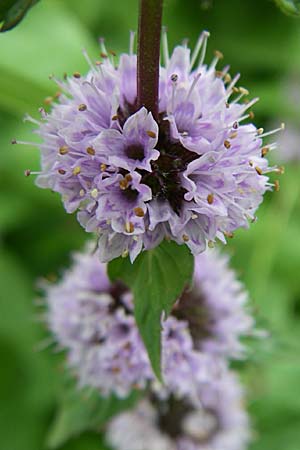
{"type": "Point", "coordinates": [291, 7]}
{"type": "Point", "coordinates": [13, 11]}
{"type": "Point", "coordinates": [36, 235]}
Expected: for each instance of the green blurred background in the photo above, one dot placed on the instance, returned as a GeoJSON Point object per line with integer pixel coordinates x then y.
{"type": "Point", "coordinates": [36, 236]}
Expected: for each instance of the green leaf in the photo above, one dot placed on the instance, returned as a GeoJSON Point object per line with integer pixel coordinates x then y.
{"type": "Point", "coordinates": [289, 7]}
{"type": "Point", "coordinates": [12, 12]}
{"type": "Point", "coordinates": [82, 411]}
{"type": "Point", "coordinates": [156, 278]}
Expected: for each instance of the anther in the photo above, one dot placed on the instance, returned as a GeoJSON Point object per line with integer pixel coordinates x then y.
{"type": "Point", "coordinates": [82, 107]}
{"type": "Point", "coordinates": [129, 227]}
{"type": "Point", "coordinates": [103, 167]}
{"type": "Point", "coordinates": [124, 253]}
{"type": "Point", "coordinates": [258, 170]}
{"type": "Point", "coordinates": [235, 125]}
{"type": "Point", "coordinates": [280, 170]}
{"type": "Point", "coordinates": [264, 151]}
{"type": "Point", "coordinates": [61, 171]}
{"type": "Point", "coordinates": [13, 141]}
{"type": "Point", "coordinates": [123, 184]}
{"type": "Point", "coordinates": [260, 131]}
{"type": "Point", "coordinates": [103, 55]}
{"type": "Point", "coordinates": [185, 238]}
{"type": "Point", "coordinates": [128, 177]}
{"type": "Point", "coordinates": [174, 78]}
{"type": "Point", "coordinates": [227, 144]}
{"type": "Point", "coordinates": [233, 135]}
{"type": "Point", "coordinates": [194, 216]}
{"type": "Point", "coordinates": [27, 172]}
{"type": "Point", "coordinates": [139, 212]}
{"type": "Point", "coordinates": [82, 192]}
{"type": "Point", "coordinates": [276, 185]}
{"type": "Point", "coordinates": [210, 199]}
{"type": "Point", "coordinates": [94, 193]}
{"type": "Point", "coordinates": [251, 115]}
{"type": "Point", "coordinates": [151, 134]}
{"type": "Point", "coordinates": [210, 244]}
{"type": "Point", "coordinates": [76, 75]}
{"type": "Point", "coordinates": [76, 170]}
{"type": "Point", "coordinates": [64, 150]}
{"type": "Point", "coordinates": [48, 100]}
{"type": "Point", "coordinates": [227, 78]}
{"type": "Point", "coordinates": [218, 54]}
{"type": "Point", "coordinates": [228, 234]}
{"type": "Point", "coordinates": [111, 52]}
{"type": "Point", "coordinates": [90, 151]}
{"type": "Point", "coordinates": [115, 117]}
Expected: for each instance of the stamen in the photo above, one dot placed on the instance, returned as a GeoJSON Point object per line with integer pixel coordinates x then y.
{"type": "Point", "coordinates": [131, 42]}
{"type": "Point", "coordinates": [165, 46]}
{"type": "Point", "coordinates": [203, 35]}
{"type": "Point", "coordinates": [76, 170]}
{"type": "Point", "coordinates": [151, 134]}
{"type": "Point", "coordinates": [94, 193]}
{"type": "Point", "coordinates": [218, 55]}
{"type": "Point", "coordinates": [102, 47]}
{"type": "Point", "coordinates": [242, 92]}
{"type": "Point", "coordinates": [64, 150]}
{"type": "Point", "coordinates": [90, 151]}
{"type": "Point", "coordinates": [232, 84]}
{"type": "Point", "coordinates": [82, 107]}
{"type": "Point", "coordinates": [139, 212]}
{"type": "Point", "coordinates": [28, 118]}
{"type": "Point", "coordinates": [31, 144]}
{"type": "Point", "coordinates": [268, 133]}
{"type": "Point", "coordinates": [210, 199]}
{"type": "Point", "coordinates": [129, 227]}
{"type": "Point", "coordinates": [195, 81]}
{"type": "Point", "coordinates": [204, 46]}
{"type": "Point", "coordinates": [48, 100]}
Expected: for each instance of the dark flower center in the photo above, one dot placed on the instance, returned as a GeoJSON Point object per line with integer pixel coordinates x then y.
{"type": "Point", "coordinates": [192, 308]}
{"type": "Point", "coordinates": [171, 415]}
{"type": "Point", "coordinates": [165, 178]}
{"type": "Point", "coordinates": [135, 152]}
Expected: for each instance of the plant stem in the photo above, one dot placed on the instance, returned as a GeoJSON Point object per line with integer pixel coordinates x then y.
{"type": "Point", "coordinates": [150, 17]}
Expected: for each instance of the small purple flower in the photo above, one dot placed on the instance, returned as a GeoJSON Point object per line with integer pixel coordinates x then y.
{"type": "Point", "coordinates": [195, 175]}
{"type": "Point", "coordinates": [93, 320]}
{"type": "Point", "coordinates": [213, 420]}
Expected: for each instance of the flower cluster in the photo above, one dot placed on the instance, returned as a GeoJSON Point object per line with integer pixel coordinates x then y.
{"type": "Point", "coordinates": [193, 175]}
{"type": "Point", "coordinates": [214, 420]}
{"type": "Point", "coordinates": [93, 320]}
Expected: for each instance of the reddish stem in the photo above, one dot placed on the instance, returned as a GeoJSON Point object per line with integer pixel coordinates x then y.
{"type": "Point", "coordinates": [150, 18]}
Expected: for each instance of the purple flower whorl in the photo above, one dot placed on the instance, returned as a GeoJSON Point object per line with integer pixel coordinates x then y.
{"type": "Point", "coordinates": [93, 320]}
{"type": "Point", "coordinates": [214, 420]}
{"type": "Point", "coordinates": [194, 176]}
